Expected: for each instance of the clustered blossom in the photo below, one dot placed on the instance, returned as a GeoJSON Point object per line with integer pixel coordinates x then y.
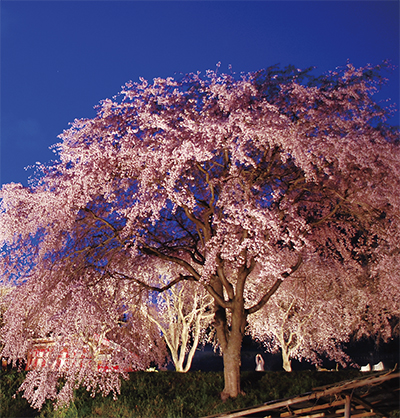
{"type": "Point", "coordinates": [78, 319]}
{"type": "Point", "coordinates": [241, 184]}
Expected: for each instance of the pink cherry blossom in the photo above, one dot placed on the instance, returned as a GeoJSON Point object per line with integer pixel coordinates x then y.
{"type": "Point", "coordinates": [241, 184]}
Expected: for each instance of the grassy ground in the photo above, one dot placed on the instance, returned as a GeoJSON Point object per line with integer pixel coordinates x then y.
{"type": "Point", "coordinates": [170, 394]}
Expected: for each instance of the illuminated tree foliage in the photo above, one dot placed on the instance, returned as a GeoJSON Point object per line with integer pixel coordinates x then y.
{"type": "Point", "coordinates": [4, 291]}
{"type": "Point", "coordinates": [91, 324]}
{"type": "Point", "coordinates": [304, 321]}
{"type": "Point", "coordinates": [239, 182]}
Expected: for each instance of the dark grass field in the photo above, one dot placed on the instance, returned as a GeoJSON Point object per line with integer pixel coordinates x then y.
{"type": "Point", "coordinates": [170, 394]}
{"type": "Point", "coordinates": [196, 393]}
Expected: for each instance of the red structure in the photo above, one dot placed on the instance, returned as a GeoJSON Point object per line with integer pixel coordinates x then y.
{"type": "Point", "coordinates": [42, 347]}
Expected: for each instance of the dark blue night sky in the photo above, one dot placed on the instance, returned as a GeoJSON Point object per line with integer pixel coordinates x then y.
{"type": "Point", "coordinates": [60, 58]}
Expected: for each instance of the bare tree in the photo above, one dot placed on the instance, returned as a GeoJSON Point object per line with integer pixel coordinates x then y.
{"type": "Point", "coordinates": [182, 313]}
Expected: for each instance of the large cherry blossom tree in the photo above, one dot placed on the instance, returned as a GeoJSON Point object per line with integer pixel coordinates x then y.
{"type": "Point", "coordinates": [227, 178]}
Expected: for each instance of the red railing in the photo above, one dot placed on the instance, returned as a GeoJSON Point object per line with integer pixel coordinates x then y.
{"type": "Point", "coordinates": [38, 356]}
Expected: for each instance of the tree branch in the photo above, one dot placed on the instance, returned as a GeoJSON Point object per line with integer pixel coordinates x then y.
{"type": "Point", "coordinates": [197, 222]}
{"type": "Point", "coordinates": [180, 278]}
{"type": "Point", "coordinates": [98, 218]}
{"type": "Point", "coordinates": [319, 221]}
{"type": "Point", "coordinates": [176, 260]}
{"type": "Point", "coordinates": [210, 205]}
{"type": "Point", "coordinates": [225, 282]}
{"type": "Point", "coordinates": [275, 287]}
{"type": "Point", "coordinates": [217, 297]}
{"type": "Point", "coordinates": [266, 297]}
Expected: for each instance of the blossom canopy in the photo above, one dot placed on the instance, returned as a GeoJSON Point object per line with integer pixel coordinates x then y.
{"type": "Point", "coordinates": [237, 183]}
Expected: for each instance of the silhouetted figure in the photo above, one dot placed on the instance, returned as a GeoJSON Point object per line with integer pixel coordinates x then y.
{"type": "Point", "coordinates": [259, 363]}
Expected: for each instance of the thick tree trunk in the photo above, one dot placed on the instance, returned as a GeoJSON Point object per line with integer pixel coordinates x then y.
{"type": "Point", "coordinates": [231, 344]}
{"type": "Point", "coordinates": [232, 363]}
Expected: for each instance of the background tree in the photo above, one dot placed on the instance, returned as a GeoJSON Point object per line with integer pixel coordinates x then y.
{"type": "Point", "coordinates": [308, 323]}
{"type": "Point", "coordinates": [182, 314]}
{"type": "Point", "coordinates": [224, 177]}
